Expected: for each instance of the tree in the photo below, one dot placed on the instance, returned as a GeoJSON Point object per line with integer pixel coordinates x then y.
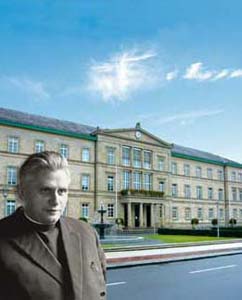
{"type": "Point", "coordinates": [194, 222]}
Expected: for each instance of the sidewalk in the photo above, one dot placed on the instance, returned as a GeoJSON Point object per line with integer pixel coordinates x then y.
{"type": "Point", "coordinates": [133, 256]}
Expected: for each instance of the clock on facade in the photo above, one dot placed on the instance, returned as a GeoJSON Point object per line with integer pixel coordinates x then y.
{"type": "Point", "coordinates": [138, 134]}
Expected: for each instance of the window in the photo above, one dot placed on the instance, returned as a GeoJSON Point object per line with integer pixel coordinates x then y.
{"type": "Point", "coordinates": [86, 154]}
{"type": "Point", "coordinates": [221, 213]}
{"type": "Point", "coordinates": [240, 177]}
{"type": "Point", "coordinates": [200, 213]}
{"type": "Point", "coordinates": [235, 213]}
{"type": "Point", "coordinates": [11, 175]}
{"type": "Point", "coordinates": [161, 186]}
{"type": "Point", "coordinates": [174, 213]}
{"type": "Point", "coordinates": [240, 194]}
{"type": "Point", "coordinates": [210, 193]}
{"type": "Point", "coordinates": [210, 213]}
{"type": "Point", "coordinates": [126, 180]}
{"type": "Point", "coordinates": [174, 168]}
{"type": "Point", "coordinates": [220, 194]}
{"type": "Point", "coordinates": [147, 182]}
{"type": "Point", "coordinates": [187, 213]}
{"type": "Point", "coordinates": [187, 191]}
{"type": "Point", "coordinates": [110, 183]}
{"type": "Point", "coordinates": [233, 176]}
{"type": "Point", "coordinates": [137, 158]}
{"type": "Point", "coordinates": [147, 159]}
{"type": "Point", "coordinates": [220, 175]}
{"type": "Point", "coordinates": [174, 191]}
{"type": "Point", "coordinates": [13, 144]}
{"type": "Point", "coordinates": [199, 192]}
{"type": "Point", "coordinates": [161, 165]}
{"type": "Point", "coordinates": [85, 182]}
{"type": "Point", "coordinates": [240, 213]}
{"type": "Point", "coordinates": [85, 210]}
{"type": "Point", "coordinates": [110, 210]}
{"type": "Point", "coordinates": [10, 207]}
{"type": "Point", "coordinates": [187, 170]}
{"type": "Point", "coordinates": [64, 150]}
{"type": "Point", "coordinates": [110, 155]}
{"type": "Point", "coordinates": [234, 194]}
{"type": "Point", "coordinates": [198, 172]}
{"type": "Point", "coordinates": [126, 153]}
{"type": "Point", "coordinates": [39, 146]}
{"type": "Point", "coordinates": [210, 173]}
{"type": "Point", "coordinates": [137, 180]}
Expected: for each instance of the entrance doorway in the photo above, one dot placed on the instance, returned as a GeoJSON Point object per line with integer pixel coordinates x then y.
{"type": "Point", "coordinates": [148, 215]}
{"type": "Point", "coordinates": [136, 215]}
{"type": "Point", "coordinates": [126, 215]}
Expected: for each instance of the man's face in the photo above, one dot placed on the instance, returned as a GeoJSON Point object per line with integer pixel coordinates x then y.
{"type": "Point", "coordinates": [45, 195]}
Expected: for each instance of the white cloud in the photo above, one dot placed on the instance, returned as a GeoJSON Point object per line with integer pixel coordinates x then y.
{"type": "Point", "coordinates": [35, 89]}
{"type": "Point", "coordinates": [171, 75]}
{"type": "Point", "coordinates": [123, 74]}
{"type": "Point", "coordinates": [181, 119]}
{"type": "Point", "coordinates": [236, 73]}
{"type": "Point", "coordinates": [195, 72]}
{"type": "Point", "coordinates": [221, 74]}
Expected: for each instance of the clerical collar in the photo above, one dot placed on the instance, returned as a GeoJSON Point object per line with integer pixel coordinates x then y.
{"type": "Point", "coordinates": [39, 226]}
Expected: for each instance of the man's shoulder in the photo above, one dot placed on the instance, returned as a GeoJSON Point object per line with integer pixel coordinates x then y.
{"type": "Point", "coordinates": [78, 225]}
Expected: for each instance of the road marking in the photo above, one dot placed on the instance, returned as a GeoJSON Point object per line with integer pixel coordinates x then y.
{"type": "Point", "coordinates": [212, 269]}
{"type": "Point", "coordinates": [116, 283]}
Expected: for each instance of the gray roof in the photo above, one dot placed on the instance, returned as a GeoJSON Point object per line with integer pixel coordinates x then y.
{"type": "Point", "coordinates": [40, 121]}
{"type": "Point", "coordinates": [14, 116]}
{"type": "Point", "coordinates": [201, 154]}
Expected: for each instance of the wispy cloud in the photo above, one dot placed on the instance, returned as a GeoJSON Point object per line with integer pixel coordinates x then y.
{"type": "Point", "coordinates": [34, 89]}
{"type": "Point", "coordinates": [221, 74]}
{"type": "Point", "coordinates": [181, 119]}
{"type": "Point", "coordinates": [195, 71]}
{"type": "Point", "coordinates": [236, 73]}
{"type": "Point", "coordinates": [121, 75]}
{"type": "Point", "coordinates": [171, 75]}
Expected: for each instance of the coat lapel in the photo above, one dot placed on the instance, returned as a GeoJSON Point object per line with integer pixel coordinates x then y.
{"type": "Point", "coordinates": [73, 250]}
{"type": "Point", "coordinates": [32, 245]}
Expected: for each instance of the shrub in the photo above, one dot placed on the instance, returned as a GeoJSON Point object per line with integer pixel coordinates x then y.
{"type": "Point", "coordinates": [119, 221]}
{"type": "Point", "coordinates": [214, 222]}
{"type": "Point", "coordinates": [83, 219]}
{"type": "Point", "coordinates": [194, 221]}
{"type": "Point", "coordinates": [232, 222]}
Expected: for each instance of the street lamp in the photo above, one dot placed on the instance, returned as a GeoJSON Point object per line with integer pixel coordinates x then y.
{"type": "Point", "coordinates": [218, 219]}
{"type": "Point", "coordinates": [5, 192]}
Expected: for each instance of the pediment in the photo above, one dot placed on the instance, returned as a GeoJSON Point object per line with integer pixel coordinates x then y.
{"type": "Point", "coordinates": [137, 135]}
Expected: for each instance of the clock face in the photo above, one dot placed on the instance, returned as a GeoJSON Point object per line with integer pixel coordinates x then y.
{"type": "Point", "coordinates": [138, 134]}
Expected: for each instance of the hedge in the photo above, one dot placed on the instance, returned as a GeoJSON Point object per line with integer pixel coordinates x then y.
{"type": "Point", "coordinates": [223, 232]}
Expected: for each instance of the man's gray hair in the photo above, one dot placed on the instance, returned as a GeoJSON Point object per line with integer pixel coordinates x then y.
{"type": "Point", "coordinates": [46, 160]}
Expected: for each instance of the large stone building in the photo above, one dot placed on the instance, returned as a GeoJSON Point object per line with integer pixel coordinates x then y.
{"type": "Point", "coordinates": [134, 174]}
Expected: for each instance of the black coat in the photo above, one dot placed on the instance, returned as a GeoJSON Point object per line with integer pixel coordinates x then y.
{"type": "Point", "coordinates": [28, 270]}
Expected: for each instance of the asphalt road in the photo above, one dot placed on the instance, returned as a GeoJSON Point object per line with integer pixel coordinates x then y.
{"type": "Point", "coordinates": [214, 278]}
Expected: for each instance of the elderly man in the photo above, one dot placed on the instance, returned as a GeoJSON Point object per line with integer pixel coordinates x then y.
{"type": "Point", "coordinates": [44, 256]}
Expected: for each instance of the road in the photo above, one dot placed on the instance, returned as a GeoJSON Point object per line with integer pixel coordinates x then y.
{"type": "Point", "coordinates": [217, 278]}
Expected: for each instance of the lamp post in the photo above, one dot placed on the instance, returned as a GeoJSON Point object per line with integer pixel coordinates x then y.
{"type": "Point", "coordinates": [5, 192]}
{"type": "Point", "coordinates": [218, 219]}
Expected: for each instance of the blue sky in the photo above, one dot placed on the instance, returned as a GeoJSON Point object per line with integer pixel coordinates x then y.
{"type": "Point", "coordinates": [175, 66]}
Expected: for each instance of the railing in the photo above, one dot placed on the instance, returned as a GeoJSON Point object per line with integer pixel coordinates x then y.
{"type": "Point", "coordinates": [131, 192]}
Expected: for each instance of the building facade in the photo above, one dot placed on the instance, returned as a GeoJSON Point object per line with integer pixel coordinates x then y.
{"type": "Point", "coordinates": [137, 176]}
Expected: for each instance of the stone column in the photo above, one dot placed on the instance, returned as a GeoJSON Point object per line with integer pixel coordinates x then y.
{"type": "Point", "coordinates": [141, 221]}
{"type": "Point", "coordinates": [152, 215]}
{"type": "Point", "coordinates": [129, 215]}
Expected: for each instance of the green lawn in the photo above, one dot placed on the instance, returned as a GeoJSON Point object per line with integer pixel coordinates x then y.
{"type": "Point", "coordinates": [182, 238]}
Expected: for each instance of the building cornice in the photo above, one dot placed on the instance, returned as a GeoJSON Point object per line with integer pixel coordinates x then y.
{"type": "Point", "coordinates": [204, 160]}
{"type": "Point", "coordinates": [48, 130]}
